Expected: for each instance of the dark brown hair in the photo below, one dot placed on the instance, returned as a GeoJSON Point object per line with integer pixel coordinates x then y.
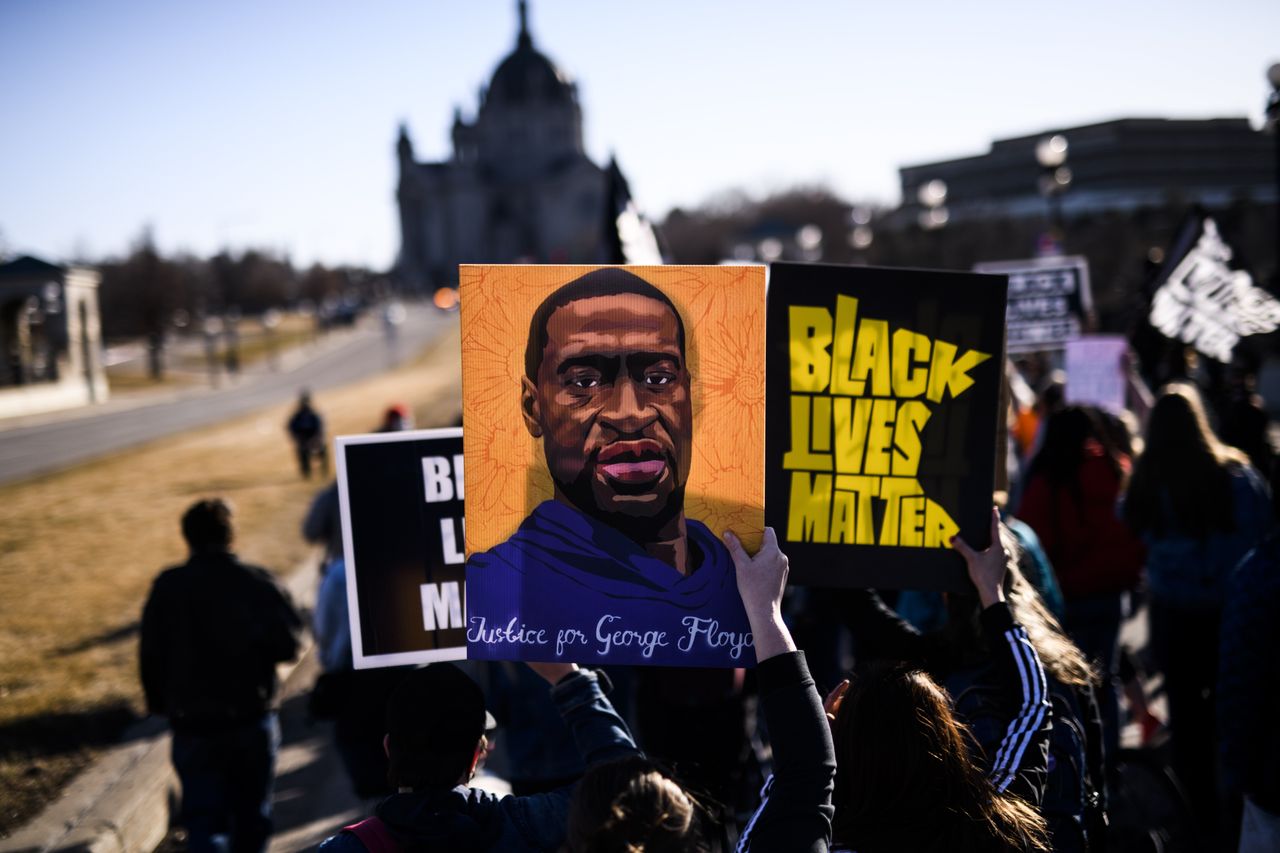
{"type": "Point", "coordinates": [1182, 481]}
{"type": "Point", "coordinates": [207, 525]}
{"type": "Point", "coordinates": [634, 805]}
{"type": "Point", "coordinates": [905, 779]}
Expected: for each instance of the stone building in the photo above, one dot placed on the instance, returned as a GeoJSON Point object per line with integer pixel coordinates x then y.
{"type": "Point", "coordinates": [50, 337]}
{"type": "Point", "coordinates": [518, 187]}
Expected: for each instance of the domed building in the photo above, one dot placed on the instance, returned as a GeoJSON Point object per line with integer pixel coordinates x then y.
{"type": "Point", "coordinates": [519, 186]}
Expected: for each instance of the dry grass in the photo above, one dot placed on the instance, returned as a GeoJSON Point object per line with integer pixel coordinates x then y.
{"type": "Point", "coordinates": [78, 551]}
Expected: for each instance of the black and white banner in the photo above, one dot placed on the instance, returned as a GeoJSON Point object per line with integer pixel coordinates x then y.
{"type": "Point", "coordinates": [1200, 300]}
{"type": "Point", "coordinates": [401, 496]}
{"type": "Point", "coordinates": [1049, 301]}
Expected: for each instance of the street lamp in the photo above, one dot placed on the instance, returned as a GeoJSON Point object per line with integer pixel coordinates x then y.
{"type": "Point", "coordinates": [1273, 124]}
{"type": "Point", "coordinates": [932, 196]}
{"type": "Point", "coordinates": [1055, 177]}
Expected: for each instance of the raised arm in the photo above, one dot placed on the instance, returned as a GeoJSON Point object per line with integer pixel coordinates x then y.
{"type": "Point", "coordinates": [795, 808]}
{"type": "Point", "coordinates": [1021, 762]}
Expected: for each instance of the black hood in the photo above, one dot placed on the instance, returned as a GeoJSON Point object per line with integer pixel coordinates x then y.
{"type": "Point", "coordinates": [462, 819]}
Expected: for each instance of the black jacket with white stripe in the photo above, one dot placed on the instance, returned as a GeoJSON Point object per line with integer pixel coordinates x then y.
{"type": "Point", "coordinates": [1018, 761]}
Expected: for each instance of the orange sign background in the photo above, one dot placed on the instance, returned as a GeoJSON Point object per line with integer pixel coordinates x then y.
{"type": "Point", "coordinates": [723, 312]}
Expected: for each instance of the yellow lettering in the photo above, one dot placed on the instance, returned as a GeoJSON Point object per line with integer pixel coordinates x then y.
{"type": "Point", "coordinates": [842, 348]}
{"type": "Point", "coordinates": [800, 456]}
{"type": "Point", "coordinates": [912, 534]}
{"type": "Point", "coordinates": [910, 377]}
{"type": "Point", "coordinates": [864, 488]}
{"type": "Point", "coordinates": [809, 511]}
{"type": "Point", "coordinates": [892, 490]}
{"type": "Point", "coordinates": [946, 372]}
{"type": "Point", "coordinates": [851, 417]}
{"type": "Point", "coordinates": [880, 437]}
{"type": "Point", "coordinates": [821, 424]}
{"type": "Point", "coordinates": [871, 355]}
{"type": "Point", "coordinates": [938, 526]}
{"type": "Point", "coordinates": [842, 517]}
{"type": "Point", "coordinates": [810, 335]}
{"type": "Point", "coordinates": [912, 416]}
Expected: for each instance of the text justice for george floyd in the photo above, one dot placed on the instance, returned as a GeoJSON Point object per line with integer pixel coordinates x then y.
{"type": "Point", "coordinates": [858, 407]}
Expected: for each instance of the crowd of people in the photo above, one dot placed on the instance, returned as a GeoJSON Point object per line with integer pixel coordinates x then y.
{"type": "Point", "coordinates": [1011, 718]}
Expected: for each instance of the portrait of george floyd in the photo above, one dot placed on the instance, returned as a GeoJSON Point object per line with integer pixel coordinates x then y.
{"type": "Point", "coordinates": [614, 430]}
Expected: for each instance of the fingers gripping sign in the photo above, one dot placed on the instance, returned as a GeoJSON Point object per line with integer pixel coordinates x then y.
{"type": "Point", "coordinates": [761, 581]}
{"type": "Point", "coordinates": [987, 568]}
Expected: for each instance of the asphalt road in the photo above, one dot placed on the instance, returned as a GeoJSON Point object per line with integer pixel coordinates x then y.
{"type": "Point", "coordinates": [68, 439]}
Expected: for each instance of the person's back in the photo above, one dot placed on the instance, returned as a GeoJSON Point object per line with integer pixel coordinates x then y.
{"type": "Point", "coordinates": [1249, 693]}
{"type": "Point", "coordinates": [213, 630]}
{"type": "Point", "coordinates": [435, 740]}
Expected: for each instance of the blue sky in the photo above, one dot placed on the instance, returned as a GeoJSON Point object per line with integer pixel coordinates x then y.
{"type": "Point", "coordinates": [272, 124]}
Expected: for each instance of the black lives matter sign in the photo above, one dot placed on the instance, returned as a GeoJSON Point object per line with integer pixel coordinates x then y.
{"type": "Point", "coordinates": [402, 510]}
{"type": "Point", "coordinates": [1049, 301]}
{"type": "Point", "coordinates": [883, 392]}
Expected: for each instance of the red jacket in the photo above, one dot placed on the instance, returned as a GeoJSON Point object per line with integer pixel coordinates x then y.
{"type": "Point", "coordinates": [1092, 550]}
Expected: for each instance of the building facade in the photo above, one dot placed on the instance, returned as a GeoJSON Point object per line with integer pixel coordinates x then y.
{"type": "Point", "coordinates": [518, 187]}
{"type": "Point", "coordinates": [51, 337]}
{"type": "Point", "coordinates": [1115, 165]}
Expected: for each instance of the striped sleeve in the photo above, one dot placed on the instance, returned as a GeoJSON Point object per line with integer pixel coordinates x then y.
{"type": "Point", "coordinates": [1021, 761]}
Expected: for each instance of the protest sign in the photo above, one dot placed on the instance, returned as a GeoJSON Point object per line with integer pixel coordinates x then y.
{"type": "Point", "coordinates": [401, 495]}
{"type": "Point", "coordinates": [1200, 300]}
{"type": "Point", "coordinates": [1049, 301]}
{"type": "Point", "coordinates": [884, 387]}
{"type": "Point", "coordinates": [1096, 371]}
{"type": "Point", "coordinates": [615, 429]}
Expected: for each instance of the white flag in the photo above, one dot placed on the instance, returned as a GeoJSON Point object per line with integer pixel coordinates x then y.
{"type": "Point", "coordinates": [1205, 303]}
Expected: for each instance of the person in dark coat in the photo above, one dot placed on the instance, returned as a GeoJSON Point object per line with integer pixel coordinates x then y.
{"type": "Point", "coordinates": [1249, 694]}
{"type": "Point", "coordinates": [213, 630]}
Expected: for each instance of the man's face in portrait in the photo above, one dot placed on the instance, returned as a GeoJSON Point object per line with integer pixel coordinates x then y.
{"type": "Point", "coordinates": [611, 404]}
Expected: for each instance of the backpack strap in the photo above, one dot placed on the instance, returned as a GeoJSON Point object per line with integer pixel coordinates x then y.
{"type": "Point", "coordinates": [374, 835]}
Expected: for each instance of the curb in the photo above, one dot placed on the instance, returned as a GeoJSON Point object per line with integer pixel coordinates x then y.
{"type": "Point", "coordinates": [125, 801]}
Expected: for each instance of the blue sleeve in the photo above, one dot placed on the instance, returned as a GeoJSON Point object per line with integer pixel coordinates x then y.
{"type": "Point", "coordinates": [601, 736]}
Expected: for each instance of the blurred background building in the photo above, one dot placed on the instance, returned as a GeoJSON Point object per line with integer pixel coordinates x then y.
{"type": "Point", "coordinates": [519, 186]}
{"type": "Point", "coordinates": [50, 337]}
{"type": "Point", "coordinates": [1119, 165]}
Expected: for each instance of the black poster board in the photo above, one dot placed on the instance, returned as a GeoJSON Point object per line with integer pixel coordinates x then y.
{"type": "Point", "coordinates": [883, 398]}
{"type": "Point", "coordinates": [401, 496]}
{"type": "Point", "coordinates": [1049, 301]}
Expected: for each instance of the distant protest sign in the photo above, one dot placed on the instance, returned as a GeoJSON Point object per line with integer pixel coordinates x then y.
{"type": "Point", "coordinates": [1096, 371]}
{"type": "Point", "coordinates": [615, 429]}
{"type": "Point", "coordinates": [1200, 300]}
{"type": "Point", "coordinates": [1049, 301]}
{"type": "Point", "coordinates": [401, 495]}
{"type": "Point", "coordinates": [884, 388]}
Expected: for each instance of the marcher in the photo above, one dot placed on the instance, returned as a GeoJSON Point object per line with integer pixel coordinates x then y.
{"type": "Point", "coordinates": [1200, 507]}
{"type": "Point", "coordinates": [436, 722]}
{"type": "Point", "coordinates": [969, 656]}
{"type": "Point", "coordinates": [354, 699]}
{"type": "Point", "coordinates": [213, 630]}
{"type": "Point", "coordinates": [1070, 499]}
{"type": "Point", "coordinates": [1249, 695]}
{"type": "Point", "coordinates": [306, 428]}
{"type": "Point", "coordinates": [638, 804]}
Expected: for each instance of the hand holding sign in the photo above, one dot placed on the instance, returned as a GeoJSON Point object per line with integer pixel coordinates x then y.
{"type": "Point", "coordinates": [986, 568]}
{"type": "Point", "coordinates": [761, 580]}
